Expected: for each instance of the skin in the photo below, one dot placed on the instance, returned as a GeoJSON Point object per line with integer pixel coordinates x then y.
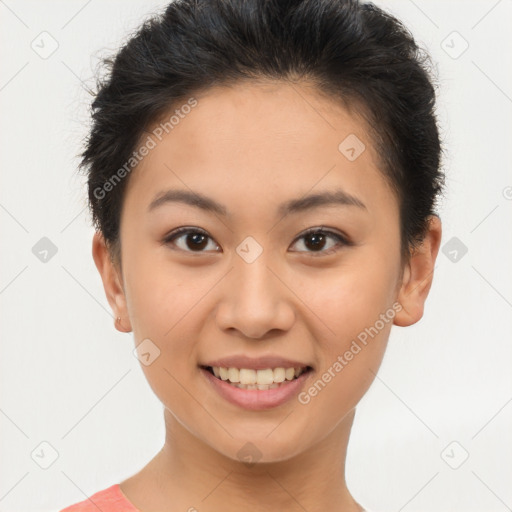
{"type": "Point", "coordinates": [252, 148]}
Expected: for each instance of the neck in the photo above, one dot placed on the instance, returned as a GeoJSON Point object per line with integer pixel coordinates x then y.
{"type": "Point", "coordinates": [190, 475]}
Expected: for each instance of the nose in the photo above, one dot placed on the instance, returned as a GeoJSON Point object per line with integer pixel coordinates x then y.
{"type": "Point", "coordinates": [255, 300]}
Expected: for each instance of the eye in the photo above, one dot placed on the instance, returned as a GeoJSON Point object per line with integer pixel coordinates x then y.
{"type": "Point", "coordinates": [315, 238]}
{"type": "Point", "coordinates": [195, 239]}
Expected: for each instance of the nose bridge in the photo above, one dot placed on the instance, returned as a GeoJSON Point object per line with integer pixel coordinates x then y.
{"type": "Point", "coordinates": [254, 280]}
{"type": "Point", "coordinates": [255, 300]}
{"type": "Point", "coordinates": [251, 262]}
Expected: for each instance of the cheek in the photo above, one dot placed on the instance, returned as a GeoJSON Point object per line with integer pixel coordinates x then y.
{"type": "Point", "coordinates": [162, 303]}
{"type": "Point", "coordinates": [351, 297]}
{"type": "Point", "coordinates": [357, 330]}
{"type": "Point", "coordinates": [349, 358]}
{"type": "Point", "coordinates": [355, 314]}
{"type": "Point", "coordinates": [161, 308]}
{"type": "Point", "coordinates": [165, 314]}
{"type": "Point", "coordinates": [157, 295]}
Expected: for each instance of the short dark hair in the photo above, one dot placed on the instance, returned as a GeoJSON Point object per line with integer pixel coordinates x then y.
{"type": "Point", "coordinates": [351, 51]}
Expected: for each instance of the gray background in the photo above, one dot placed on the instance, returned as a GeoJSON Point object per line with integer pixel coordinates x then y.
{"type": "Point", "coordinates": [72, 389]}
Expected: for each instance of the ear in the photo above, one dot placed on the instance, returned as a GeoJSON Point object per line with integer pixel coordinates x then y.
{"type": "Point", "coordinates": [418, 275]}
{"type": "Point", "coordinates": [112, 282]}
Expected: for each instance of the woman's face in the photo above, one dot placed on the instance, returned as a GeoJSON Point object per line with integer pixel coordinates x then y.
{"type": "Point", "coordinates": [276, 160]}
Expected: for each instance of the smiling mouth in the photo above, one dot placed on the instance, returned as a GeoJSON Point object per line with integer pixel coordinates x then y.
{"type": "Point", "coordinates": [247, 378]}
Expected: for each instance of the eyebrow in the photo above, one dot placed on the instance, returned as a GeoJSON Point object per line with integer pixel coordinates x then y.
{"type": "Point", "coordinates": [327, 198]}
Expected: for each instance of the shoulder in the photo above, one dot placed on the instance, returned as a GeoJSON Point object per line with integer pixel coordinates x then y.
{"type": "Point", "coordinates": [110, 499]}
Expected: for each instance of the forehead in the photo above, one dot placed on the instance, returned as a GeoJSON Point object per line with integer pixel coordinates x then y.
{"type": "Point", "coordinates": [261, 141]}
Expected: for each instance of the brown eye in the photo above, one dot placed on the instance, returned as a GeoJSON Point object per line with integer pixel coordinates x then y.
{"type": "Point", "coordinates": [317, 239]}
{"type": "Point", "coordinates": [192, 239]}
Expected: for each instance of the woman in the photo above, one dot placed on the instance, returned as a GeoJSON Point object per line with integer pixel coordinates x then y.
{"type": "Point", "coordinates": [263, 178]}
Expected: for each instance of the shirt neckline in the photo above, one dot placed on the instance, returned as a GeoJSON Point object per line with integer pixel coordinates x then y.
{"type": "Point", "coordinates": [124, 499]}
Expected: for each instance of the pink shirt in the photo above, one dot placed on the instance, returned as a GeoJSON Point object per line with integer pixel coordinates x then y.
{"type": "Point", "coordinates": [111, 499]}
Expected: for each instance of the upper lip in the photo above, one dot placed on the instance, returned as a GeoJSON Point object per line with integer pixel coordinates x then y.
{"type": "Point", "coordinates": [260, 363]}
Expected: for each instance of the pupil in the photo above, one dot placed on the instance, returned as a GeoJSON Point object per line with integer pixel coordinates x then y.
{"type": "Point", "coordinates": [198, 243]}
{"type": "Point", "coordinates": [317, 239]}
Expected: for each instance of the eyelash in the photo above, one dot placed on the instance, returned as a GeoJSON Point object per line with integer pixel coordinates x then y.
{"type": "Point", "coordinates": [342, 240]}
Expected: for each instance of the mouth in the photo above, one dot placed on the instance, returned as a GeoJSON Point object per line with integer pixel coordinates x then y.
{"type": "Point", "coordinates": [260, 379]}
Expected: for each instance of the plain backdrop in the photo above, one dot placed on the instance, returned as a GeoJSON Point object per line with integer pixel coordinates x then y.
{"type": "Point", "coordinates": [77, 415]}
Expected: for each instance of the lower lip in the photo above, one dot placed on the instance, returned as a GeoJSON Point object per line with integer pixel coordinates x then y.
{"type": "Point", "coordinates": [257, 399]}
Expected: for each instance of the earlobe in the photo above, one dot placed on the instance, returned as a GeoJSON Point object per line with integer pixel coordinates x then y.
{"type": "Point", "coordinates": [112, 282]}
{"type": "Point", "coordinates": [418, 276]}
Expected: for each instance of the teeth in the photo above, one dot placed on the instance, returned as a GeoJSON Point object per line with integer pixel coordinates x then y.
{"type": "Point", "coordinates": [279, 375]}
{"type": "Point", "coordinates": [265, 376]}
{"type": "Point", "coordinates": [248, 378]}
{"type": "Point", "coordinates": [233, 375]}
